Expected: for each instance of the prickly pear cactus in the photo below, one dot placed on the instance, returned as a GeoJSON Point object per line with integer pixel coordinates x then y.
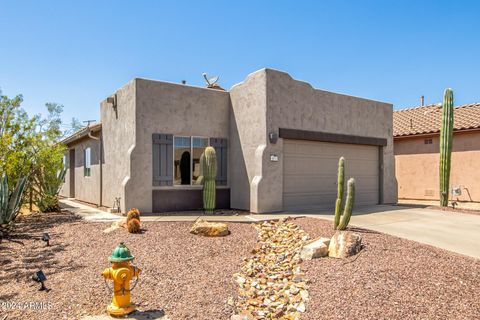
{"type": "Point", "coordinates": [209, 175]}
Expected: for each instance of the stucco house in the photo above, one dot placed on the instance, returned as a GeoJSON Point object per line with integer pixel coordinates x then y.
{"type": "Point", "coordinates": [416, 146]}
{"type": "Point", "coordinates": [277, 139]}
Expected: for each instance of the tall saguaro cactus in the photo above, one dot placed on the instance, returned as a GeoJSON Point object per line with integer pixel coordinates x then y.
{"type": "Point", "coordinates": [340, 188]}
{"type": "Point", "coordinates": [446, 139]}
{"type": "Point", "coordinates": [209, 169]}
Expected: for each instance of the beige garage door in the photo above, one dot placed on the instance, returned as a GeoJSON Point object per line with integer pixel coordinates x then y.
{"type": "Point", "coordinates": [310, 173]}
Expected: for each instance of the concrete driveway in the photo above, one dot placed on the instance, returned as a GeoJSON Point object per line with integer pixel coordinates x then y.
{"type": "Point", "coordinates": [457, 232]}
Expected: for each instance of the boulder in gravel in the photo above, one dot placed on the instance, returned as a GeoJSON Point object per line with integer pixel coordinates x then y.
{"type": "Point", "coordinates": [315, 249]}
{"type": "Point", "coordinates": [344, 244]}
{"type": "Point", "coordinates": [209, 229]}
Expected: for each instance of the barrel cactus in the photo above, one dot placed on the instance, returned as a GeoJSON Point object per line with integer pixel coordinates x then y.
{"type": "Point", "coordinates": [133, 225]}
{"type": "Point", "coordinates": [133, 213]}
{"type": "Point", "coordinates": [446, 139]}
{"type": "Point", "coordinates": [209, 171]}
{"type": "Point", "coordinates": [340, 188]}
{"type": "Point", "coordinates": [133, 221]}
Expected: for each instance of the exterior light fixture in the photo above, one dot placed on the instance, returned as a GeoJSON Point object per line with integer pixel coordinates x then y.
{"type": "Point", "coordinates": [46, 238]}
{"type": "Point", "coordinates": [273, 137]}
{"type": "Point", "coordinates": [39, 276]}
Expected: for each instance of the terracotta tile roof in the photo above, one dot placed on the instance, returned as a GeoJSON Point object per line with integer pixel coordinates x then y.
{"type": "Point", "coordinates": [427, 119]}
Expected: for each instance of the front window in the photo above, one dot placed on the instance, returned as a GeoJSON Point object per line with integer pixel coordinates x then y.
{"type": "Point", "coordinates": [182, 161]}
{"type": "Point", "coordinates": [199, 145]}
{"type": "Point", "coordinates": [187, 159]}
{"type": "Point", "coordinates": [88, 162]}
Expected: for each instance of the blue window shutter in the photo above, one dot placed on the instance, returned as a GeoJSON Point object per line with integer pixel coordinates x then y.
{"type": "Point", "coordinates": [221, 147]}
{"type": "Point", "coordinates": [162, 159]}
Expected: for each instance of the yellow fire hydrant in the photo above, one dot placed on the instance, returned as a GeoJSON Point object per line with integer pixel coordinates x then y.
{"type": "Point", "coordinates": [121, 272]}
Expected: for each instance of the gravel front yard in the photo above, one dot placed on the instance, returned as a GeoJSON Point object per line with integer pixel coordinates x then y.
{"type": "Point", "coordinates": [190, 277]}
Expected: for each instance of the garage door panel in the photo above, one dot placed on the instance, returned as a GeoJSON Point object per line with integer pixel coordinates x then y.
{"type": "Point", "coordinates": [298, 165]}
{"type": "Point", "coordinates": [310, 173]}
{"type": "Point", "coordinates": [298, 184]}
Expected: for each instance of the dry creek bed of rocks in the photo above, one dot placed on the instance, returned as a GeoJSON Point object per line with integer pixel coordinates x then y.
{"type": "Point", "coordinates": [190, 277]}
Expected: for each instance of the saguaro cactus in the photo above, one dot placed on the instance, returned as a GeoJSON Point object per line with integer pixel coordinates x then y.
{"type": "Point", "coordinates": [340, 188]}
{"type": "Point", "coordinates": [341, 222]}
{"type": "Point", "coordinates": [446, 139]}
{"type": "Point", "coordinates": [347, 212]}
{"type": "Point", "coordinates": [209, 174]}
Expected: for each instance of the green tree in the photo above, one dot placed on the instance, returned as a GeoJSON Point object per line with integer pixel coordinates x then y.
{"type": "Point", "coordinates": [18, 139]}
{"type": "Point", "coordinates": [29, 149]}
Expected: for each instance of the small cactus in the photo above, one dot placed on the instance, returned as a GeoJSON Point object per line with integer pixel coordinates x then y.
{"type": "Point", "coordinates": [133, 225]}
{"type": "Point", "coordinates": [133, 213]}
{"type": "Point", "coordinates": [347, 211]}
{"type": "Point", "coordinates": [209, 171]}
{"type": "Point", "coordinates": [340, 188]}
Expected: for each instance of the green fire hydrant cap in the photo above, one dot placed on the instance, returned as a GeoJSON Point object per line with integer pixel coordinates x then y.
{"type": "Point", "coordinates": [121, 253]}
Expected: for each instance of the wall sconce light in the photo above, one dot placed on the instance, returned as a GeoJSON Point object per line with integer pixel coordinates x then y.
{"type": "Point", "coordinates": [273, 137]}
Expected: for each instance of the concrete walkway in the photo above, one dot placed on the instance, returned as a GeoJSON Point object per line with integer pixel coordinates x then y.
{"type": "Point", "coordinates": [86, 212]}
{"type": "Point", "coordinates": [457, 232]}
{"type": "Point", "coordinates": [96, 215]}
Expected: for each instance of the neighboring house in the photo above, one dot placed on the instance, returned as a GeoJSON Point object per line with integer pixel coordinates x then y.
{"type": "Point", "coordinates": [416, 146]}
{"type": "Point", "coordinates": [278, 141]}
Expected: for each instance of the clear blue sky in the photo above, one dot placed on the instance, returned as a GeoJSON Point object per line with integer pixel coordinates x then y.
{"type": "Point", "coordinates": [78, 52]}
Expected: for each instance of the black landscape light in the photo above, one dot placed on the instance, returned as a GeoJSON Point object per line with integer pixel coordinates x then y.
{"type": "Point", "coordinates": [46, 238]}
{"type": "Point", "coordinates": [39, 276]}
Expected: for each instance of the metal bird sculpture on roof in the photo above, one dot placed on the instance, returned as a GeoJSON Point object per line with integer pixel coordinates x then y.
{"type": "Point", "coordinates": [211, 82]}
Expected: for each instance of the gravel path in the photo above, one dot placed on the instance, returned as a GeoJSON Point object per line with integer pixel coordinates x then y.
{"type": "Point", "coordinates": [190, 277]}
{"type": "Point", "coordinates": [271, 284]}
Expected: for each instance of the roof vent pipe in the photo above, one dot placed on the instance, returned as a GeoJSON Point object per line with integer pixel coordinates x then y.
{"type": "Point", "coordinates": [422, 101]}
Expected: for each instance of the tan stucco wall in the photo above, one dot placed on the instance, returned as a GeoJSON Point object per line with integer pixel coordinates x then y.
{"type": "Point", "coordinates": [176, 109]}
{"type": "Point", "coordinates": [247, 139]}
{"type": "Point", "coordinates": [417, 166]}
{"type": "Point", "coordinates": [118, 134]}
{"type": "Point", "coordinates": [287, 103]}
{"type": "Point", "coordinates": [86, 188]}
